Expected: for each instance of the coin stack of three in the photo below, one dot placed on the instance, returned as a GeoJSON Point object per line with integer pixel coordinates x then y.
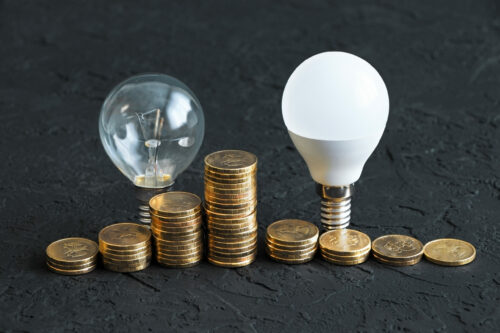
{"type": "Point", "coordinates": [125, 247]}
{"type": "Point", "coordinates": [292, 241]}
{"type": "Point", "coordinates": [345, 246]}
{"type": "Point", "coordinates": [176, 223]}
{"type": "Point", "coordinates": [230, 205]}
{"type": "Point", "coordinates": [397, 250]}
{"type": "Point", "coordinates": [72, 256]}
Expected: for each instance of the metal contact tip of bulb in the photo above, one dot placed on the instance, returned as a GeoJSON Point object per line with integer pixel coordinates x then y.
{"type": "Point", "coordinates": [143, 195]}
{"type": "Point", "coordinates": [335, 205]}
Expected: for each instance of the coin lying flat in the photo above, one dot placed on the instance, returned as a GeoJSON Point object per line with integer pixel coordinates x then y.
{"type": "Point", "coordinates": [70, 271]}
{"type": "Point", "coordinates": [345, 242]}
{"type": "Point", "coordinates": [398, 247]}
{"type": "Point", "coordinates": [231, 162]}
{"type": "Point", "coordinates": [292, 232]}
{"type": "Point", "coordinates": [124, 236]}
{"type": "Point", "coordinates": [175, 204]}
{"type": "Point", "coordinates": [449, 252]}
{"type": "Point", "coordinates": [72, 251]}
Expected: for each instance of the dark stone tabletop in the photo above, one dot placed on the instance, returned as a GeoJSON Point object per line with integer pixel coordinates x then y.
{"type": "Point", "coordinates": [436, 172]}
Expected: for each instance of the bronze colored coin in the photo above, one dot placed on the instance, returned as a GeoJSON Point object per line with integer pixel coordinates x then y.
{"type": "Point", "coordinates": [72, 251]}
{"type": "Point", "coordinates": [242, 206]}
{"type": "Point", "coordinates": [250, 183]}
{"type": "Point", "coordinates": [124, 236]}
{"type": "Point", "coordinates": [233, 176]}
{"type": "Point", "coordinates": [103, 248]}
{"type": "Point", "coordinates": [70, 271]}
{"type": "Point", "coordinates": [126, 268]}
{"type": "Point", "coordinates": [449, 252]}
{"type": "Point", "coordinates": [159, 234]}
{"type": "Point", "coordinates": [175, 204]}
{"type": "Point", "coordinates": [290, 255]}
{"type": "Point", "coordinates": [231, 162]}
{"type": "Point", "coordinates": [292, 261]}
{"type": "Point", "coordinates": [129, 262]}
{"type": "Point", "coordinates": [397, 247]}
{"type": "Point", "coordinates": [234, 212]}
{"type": "Point", "coordinates": [230, 191]}
{"type": "Point", "coordinates": [240, 249]}
{"type": "Point", "coordinates": [190, 219]}
{"type": "Point", "coordinates": [344, 262]}
{"type": "Point", "coordinates": [177, 230]}
{"type": "Point", "coordinates": [225, 254]}
{"type": "Point", "coordinates": [232, 262]}
{"type": "Point", "coordinates": [346, 242]}
{"type": "Point", "coordinates": [179, 247]}
{"type": "Point", "coordinates": [232, 245]}
{"type": "Point", "coordinates": [233, 233]}
{"type": "Point", "coordinates": [232, 238]}
{"type": "Point", "coordinates": [290, 250]}
{"type": "Point", "coordinates": [245, 219]}
{"type": "Point", "coordinates": [174, 264]}
{"type": "Point", "coordinates": [183, 252]}
{"type": "Point", "coordinates": [216, 178]}
{"type": "Point", "coordinates": [286, 247]}
{"type": "Point", "coordinates": [179, 259]}
{"type": "Point", "coordinates": [237, 228]}
{"type": "Point", "coordinates": [71, 266]}
{"type": "Point", "coordinates": [229, 199]}
{"type": "Point", "coordinates": [121, 257]}
{"type": "Point", "coordinates": [392, 262]}
{"type": "Point", "coordinates": [292, 232]}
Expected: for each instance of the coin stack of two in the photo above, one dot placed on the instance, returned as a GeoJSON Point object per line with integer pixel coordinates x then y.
{"type": "Point", "coordinates": [176, 223]}
{"type": "Point", "coordinates": [397, 250]}
{"type": "Point", "coordinates": [230, 206]}
{"type": "Point", "coordinates": [125, 247]}
{"type": "Point", "coordinates": [72, 256]}
{"type": "Point", "coordinates": [292, 241]}
{"type": "Point", "coordinates": [345, 246]}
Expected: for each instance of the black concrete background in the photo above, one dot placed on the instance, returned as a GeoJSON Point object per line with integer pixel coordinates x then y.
{"type": "Point", "coordinates": [436, 172]}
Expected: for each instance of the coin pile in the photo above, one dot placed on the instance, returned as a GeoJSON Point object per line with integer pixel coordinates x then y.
{"type": "Point", "coordinates": [125, 247]}
{"type": "Point", "coordinates": [397, 250]}
{"type": "Point", "coordinates": [345, 246]}
{"type": "Point", "coordinates": [176, 224]}
{"type": "Point", "coordinates": [72, 256]}
{"type": "Point", "coordinates": [230, 206]}
{"type": "Point", "coordinates": [449, 252]}
{"type": "Point", "coordinates": [292, 241]}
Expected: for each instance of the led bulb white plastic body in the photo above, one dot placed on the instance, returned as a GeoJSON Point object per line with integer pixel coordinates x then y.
{"type": "Point", "coordinates": [335, 106]}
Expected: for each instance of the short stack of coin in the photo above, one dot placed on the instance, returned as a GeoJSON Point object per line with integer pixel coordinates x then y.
{"type": "Point", "coordinates": [176, 223]}
{"type": "Point", "coordinates": [345, 246]}
{"type": "Point", "coordinates": [72, 256]}
{"type": "Point", "coordinates": [292, 241]}
{"type": "Point", "coordinates": [397, 250]}
{"type": "Point", "coordinates": [230, 206]}
{"type": "Point", "coordinates": [125, 247]}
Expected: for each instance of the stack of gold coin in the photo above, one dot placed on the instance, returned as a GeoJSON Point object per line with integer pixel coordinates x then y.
{"type": "Point", "coordinates": [230, 206]}
{"type": "Point", "coordinates": [292, 241]}
{"type": "Point", "coordinates": [72, 256]}
{"type": "Point", "coordinates": [176, 223]}
{"type": "Point", "coordinates": [397, 250]}
{"type": "Point", "coordinates": [125, 247]}
{"type": "Point", "coordinates": [345, 246]}
{"type": "Point", "coordinates": [449, 252]}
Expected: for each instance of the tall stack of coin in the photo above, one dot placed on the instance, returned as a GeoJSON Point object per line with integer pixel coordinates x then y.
{"type": "Point", "coordinates": [292, 241]}
{"type": "Point", "coordinates": [397, 250]}
{"type": "Point", "coordinates": [72, 256]}
{"type": "Point", "coordinates": [176, 223]}
{"type": "Point", "coordinates": [230, 205]}
{"type": "Point", "coordinates": [345, 246]}
{"type": "Point", "coordinates": [125, 247]}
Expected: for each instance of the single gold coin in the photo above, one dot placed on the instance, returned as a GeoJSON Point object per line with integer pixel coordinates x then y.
{"type": "Point", "coordinates": [292, 232]}
{"type": "Point", "coordinates": [346, 242]}
{"type": "Point", "coordinates": [57, 270]}
{"type": "Point", "coordinates": [175, 204]}
{"type": "Point", "coordinates": [124, 236]}
{"type": "Point", "coordinates": [397, 247]}
{"type": "Point", "coordinates": [449, 252]}
{"type": "Point", "coordinates": [72, 251]}
{"type": "Point", "coordinates": [403, 262]}
{"type": "Point", "coordinates": [231, 162]}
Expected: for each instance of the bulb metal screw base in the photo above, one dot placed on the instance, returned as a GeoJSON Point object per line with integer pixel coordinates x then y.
{"type": "Point", "coordinates": [143, 195]}
{"type": "Point", "coordinates": [335, 205]}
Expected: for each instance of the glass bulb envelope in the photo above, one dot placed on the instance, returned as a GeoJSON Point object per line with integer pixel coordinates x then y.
{"type": "Point", "coordinates": [151, 126]}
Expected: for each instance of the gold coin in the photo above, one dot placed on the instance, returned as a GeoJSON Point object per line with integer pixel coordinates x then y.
{"type": "Point", "coordinates": [286, 247]}
{"type": "Point", "coordinates": [241, 206]}
{"type": "Point", "coordinates": [167, 256]}
{"type": "Point", "coordinates": [291, 255]}
{"type": "Point", "coordinates": [212, 251]}
{"type": "Point", "coordinates": [234, 224]}
{"type": "Point", "coordinates": [72, 251]}
{"type": "Point", "coordinates": [221, 229]}
{"type": "Point", "coordinates": [171, 236]}
{"type": "Point", "coordinates": [233, 232]}
{"type": "Point", "coordinates": [129, 262]}
{"type": "Point", "coordinates": [241, 220]}
{"type": "Point", "coordinates": [124, 236]}
{"type": "Point", "coordinates": [397, 247]}
{"type": "Point", "coordinates": [346, 257]}
{"type": "Point", "coordinates": [449, 252]}
{"type": "Point", "coordinates": [104, 248]}
{"type": "Point", "coordinates": [240, 249]}
{"type": "Point", "coordinates": [175, 204]}
{"type": "Point", "coordinates": [173, 264]}
{"type": "Point", "coordinates": [232, 245]}
{"type": "Point", "coordinates": [211, 182]}
{"type": "Point", "coordinates": [345, 262]}
{"type": "Point", "coordinates": [292, 261]}
{"type": "Point", "coordinates": [292, 232]}
{"type": "Point", "coordinates": [231, 162]}
{"type": "Point", "coordinates": [231, 262]}
{"type": "Point", "coordinates": [192, 251]}
{"type": "Point", "coordinates": [176, 230]}
{"type": "Point", "coordinates": [182, 243]}
{"type": "Point", "coordinates": [216, 178]}
{"type": "Point", "coordinates": [122, 257]}
{"type": "Point", "coordinates": [230, 191]}
{"type": "Point", "coordinates": [70, 271]}
{"type": "Point", "coordinates": [126, 268]}
{"type": "Point", "coordinates": [289, 250]}
{"type": "Point", "coordinates": [240, 212]}
{"type": "Point", "coordinates": [403, 262]}
{"type": "Point", "coordinates": [226, 200]}
{"type": "Point", "coordinates": [179, 247]}
{"type": "Point", "coordinates": [346, 242]}
{"type": "Point", "coordinates": [230, 176]}
{"type": "Point", "coordinates": [190, 219]}
{"type": "Point", "coordinates": [231, 238]}
{"type": "Point", "coordinates": [71, 266]}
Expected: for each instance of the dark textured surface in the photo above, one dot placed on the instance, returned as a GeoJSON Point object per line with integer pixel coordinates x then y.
{"type": "Point", "coordinates": [436, 172]}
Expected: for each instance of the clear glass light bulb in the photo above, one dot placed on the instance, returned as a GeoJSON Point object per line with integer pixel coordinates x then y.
{"type": "Point", "coordinates": [335, 106]}
{"type": "Point", "coordinates": [151, 126]}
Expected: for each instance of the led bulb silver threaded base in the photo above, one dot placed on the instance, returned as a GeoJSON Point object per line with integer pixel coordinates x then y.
{"type": "Point", "coordinates": [335, 205]}
{"type": "Point", "coordinates": [143, 195]}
